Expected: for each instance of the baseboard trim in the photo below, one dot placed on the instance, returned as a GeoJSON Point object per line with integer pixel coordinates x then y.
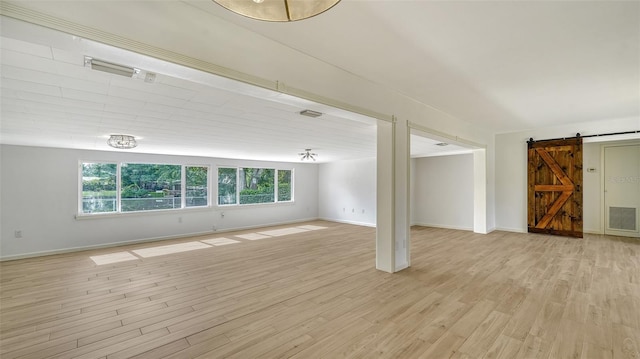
{"type": "Point", "coordinates": [515, 230]}
{"type": "Point", "coordinates": [355, 223]}
{"type": "Point", "coordinates": [592, 231]}
{"type": "Point", "coordinates": [444, 226]}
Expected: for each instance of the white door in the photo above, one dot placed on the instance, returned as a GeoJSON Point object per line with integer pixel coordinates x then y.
{"type": "Point", "coordinates": [622, 190]}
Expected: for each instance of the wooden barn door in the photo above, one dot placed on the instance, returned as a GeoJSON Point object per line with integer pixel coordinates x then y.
{"type": "Point", "coordinates": [555, 187]}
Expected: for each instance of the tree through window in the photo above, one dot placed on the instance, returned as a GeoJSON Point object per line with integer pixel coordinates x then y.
{"type": "Point", "coordinates": [99, 193]}
{"type": "Point", "coordinates": [247, 185]}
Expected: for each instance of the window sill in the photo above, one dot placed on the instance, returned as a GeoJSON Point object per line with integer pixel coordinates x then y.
{"type": "Point", "coordinates": [89, 216]}
{"type": "Point", "coordinates": [254, 205]}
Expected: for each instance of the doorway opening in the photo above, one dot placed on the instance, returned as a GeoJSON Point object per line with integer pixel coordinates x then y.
{"type": "Point", "coordinates": [446, 189]}
{"type": "Point", "coordinates": [621, 189]}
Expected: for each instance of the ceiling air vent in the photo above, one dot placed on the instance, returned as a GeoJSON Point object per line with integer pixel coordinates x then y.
{"type": "Point", "coordinates": [311, 113]}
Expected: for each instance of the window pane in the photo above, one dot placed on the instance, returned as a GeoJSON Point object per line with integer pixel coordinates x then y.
{"type": "Point", "coordinates": [148, 187]}
{"type": "Point", "coordinates": [196, 191]}
{"type": "Point", "coordinates": [227, 185]}
{"type": "Point", "coordinates": [256, 185]}
{"type": "Point", "coordinates": [284, 185]}
{"type": "Point", "coordinates": [99, 188]}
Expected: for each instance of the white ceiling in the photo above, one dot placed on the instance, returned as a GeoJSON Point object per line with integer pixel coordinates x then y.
{"type": "Point", "coordinates": [506, 66]}
{"type": "Point", "coordinates": [50, 98]}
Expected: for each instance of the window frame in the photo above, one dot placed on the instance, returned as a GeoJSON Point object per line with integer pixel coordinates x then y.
{"type": "Point", "coordinates": [290, 186]}
{"type": "Point", "coordinates": [212, 188]}
{"type": "Point", "coordinates": [208, 185]}
{"type": "Point", "coordinates": [217, 189]}
{"type": "Point", "coordinates": [81, 188]}
{"type": "Point", "coordinates": [182, 190]}
{"type": "Point", "coordinates": [237, 203]}
{"type": "Point", "coordinates": [119, 164]}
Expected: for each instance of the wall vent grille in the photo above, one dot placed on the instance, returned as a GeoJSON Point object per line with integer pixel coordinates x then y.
{"type": "Point", "coordinates": [622, 218]}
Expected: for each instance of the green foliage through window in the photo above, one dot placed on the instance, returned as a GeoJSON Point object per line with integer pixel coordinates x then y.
{"type": "Point", "coordinates": [256, 185]}
{"type": "Point", "coordinates": [227, 178]}
{"type": "Point", "coordinates": [196, 192]}
{"type": "Point", "coordinates": [247, 185]}
{"type": "Point", "coordinates": [284, 185]}
{"type": "Point", "coordinates": [142, 187]}
{"type": "Point", "coordinates": [99, 187]}
{"type": "Point", "coordinates": [147, 187]}
{"type": "Point", "coordinates": [150, 186]}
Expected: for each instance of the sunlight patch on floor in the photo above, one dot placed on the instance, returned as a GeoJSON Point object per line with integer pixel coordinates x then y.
{"type": "Point", "coordinates": [113, 258]}
{"type": "Point", "coordinates": [278, 232]}
{"type": "Point", "coordinates": [312, 228]}
{"type": "Point", "coordinates": [220, 241]}
{"type": "Point", "coordinates": [283, 231]}
{"type": "Point", "coordinates": [170, 249]}
{"type": "Point", "coordinates": [202, 244]}
{"type": "Point", "coordinates": [252, 236]}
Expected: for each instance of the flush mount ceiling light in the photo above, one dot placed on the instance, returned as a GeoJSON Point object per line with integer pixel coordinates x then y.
{"type": "Point", "coordinates": [124, 142]}
{"type": "Point", "coordinates": [278, 10]}
{"type": "Point", "coordinates": [310, 113]}
{"type": "Point", "coordinates": [442, 144]}
{"type": "Point", "coordinates": [307, 155]}
{"type": "Point", "coordinates": [109, 67]}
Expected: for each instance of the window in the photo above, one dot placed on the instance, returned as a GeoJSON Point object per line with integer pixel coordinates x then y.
{"type": "Point", "coordinates": [150, 186]}
{"type": "Point", "coordinates": [132, 187]}
{"type": "Point", "coordinates": [284, 186]}
{"type": "Point", "coordinates": [256, 185]}
{"type": "Point", "coordinates": [227, 186]}
{"type": "Point", "coordinates": [253, 185]}
{"type": "Point", "coordinates": [196, 193]}
{"type": "Point", "coordinates": [99, 193]}
{"type": "Point", "coordinates": [137, 187]}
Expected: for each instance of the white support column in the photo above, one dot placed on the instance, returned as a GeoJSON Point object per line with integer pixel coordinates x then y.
{"type": "Point", "coordinates": [480, 191]}
{"type": "Point", "coordinates": [392, 187]}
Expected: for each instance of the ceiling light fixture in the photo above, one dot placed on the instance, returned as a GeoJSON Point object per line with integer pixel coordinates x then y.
{"type": "Point", "coordinates": [123, 142]}
{"type": "Point", "coordinates": [442, 144]}
{"type": "Point", "coordinates": [307, 155]}
{"type": "Point", "coordinates": [310, 113]}
{"type": "Point", "coordinates": [278, 10]}
{"type": "Point", "coordinates": [109, 67]}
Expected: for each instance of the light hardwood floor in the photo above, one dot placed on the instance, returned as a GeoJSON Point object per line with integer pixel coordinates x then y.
{"type": "Point", "coordinates": [316, 294]}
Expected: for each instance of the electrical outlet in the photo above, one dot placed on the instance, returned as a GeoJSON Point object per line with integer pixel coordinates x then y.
{"type": "Point", "coordinates": [17, 234]}
{"type": "Point", "coordinates": [214, 228]}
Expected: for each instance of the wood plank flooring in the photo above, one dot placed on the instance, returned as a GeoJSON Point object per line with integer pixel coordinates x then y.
{"type": "Point", "coordinates": [316, 294]}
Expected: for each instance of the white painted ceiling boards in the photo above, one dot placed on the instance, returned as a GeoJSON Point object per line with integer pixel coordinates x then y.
{"type": "Point", "coordinates": [503, 66]}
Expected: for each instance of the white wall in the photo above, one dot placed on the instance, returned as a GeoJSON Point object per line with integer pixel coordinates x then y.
{"type": "Point", "coordinates": [591, 195]}
{"type": "Point", "coordinates": [442, 191]}
{"type": "Point", "coordinates": [347, 191]}
{"type": "Point", "coordinates": [40, 194]}
{"type": "Point", "coordinates": [511, 170]}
